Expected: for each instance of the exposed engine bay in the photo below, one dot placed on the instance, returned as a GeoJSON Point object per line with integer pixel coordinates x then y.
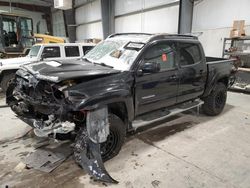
{"type": "Point", "coordinates": [52, 112]}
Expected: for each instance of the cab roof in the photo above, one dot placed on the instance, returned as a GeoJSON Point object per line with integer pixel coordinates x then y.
{"type": "Point", "coordinates": [147, 37]}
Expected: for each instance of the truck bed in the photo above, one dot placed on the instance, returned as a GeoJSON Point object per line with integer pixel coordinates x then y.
{"type": "Point", "coordinates": [211, 60]}
{"type": "Point", "coordinates": [218, 68]}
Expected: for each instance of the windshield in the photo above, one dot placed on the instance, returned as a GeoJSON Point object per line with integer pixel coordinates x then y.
{"type": "Point", "coordinates": [113, 53]}
{"type": "Point", "coordinates": [34, 51]}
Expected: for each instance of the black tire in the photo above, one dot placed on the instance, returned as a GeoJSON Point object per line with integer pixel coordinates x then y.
{"type": "Point", "coordinates": [7, 78]}
{"type": "Point", "coordinates": [112, 146]}
{"type": "Point", "coordinates": [215, 102]}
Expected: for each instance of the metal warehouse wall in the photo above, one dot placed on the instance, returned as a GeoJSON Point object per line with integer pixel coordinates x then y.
{"type": "Point", "coordinates": [58, 23]}
{"type": "Point", "coordinates": [153, 16]}
{"type": "Point", "coordinates": [215, 19]}
{"type": "Point", "coordinates": [88, 19]}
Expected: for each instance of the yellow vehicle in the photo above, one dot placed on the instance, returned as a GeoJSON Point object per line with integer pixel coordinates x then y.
{"type": "Point", "coordinates": [16, 35]}
{"type": "Point", "coordinates": [44, 39]}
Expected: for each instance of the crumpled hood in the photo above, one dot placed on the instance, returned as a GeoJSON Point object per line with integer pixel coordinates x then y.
{"type": "Point", "coordinates": [57, 71]}
{"type": "Point", "coordinates": [18, 60]}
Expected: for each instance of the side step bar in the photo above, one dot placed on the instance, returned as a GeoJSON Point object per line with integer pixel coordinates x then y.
{"type": "Point", "coordinates": [162, 114]}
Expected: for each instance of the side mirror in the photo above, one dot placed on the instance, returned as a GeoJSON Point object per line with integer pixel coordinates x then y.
{"type": "Point", "coordinates": [151, 67]}
{"type": "Point", "coordinates": [44, 56]}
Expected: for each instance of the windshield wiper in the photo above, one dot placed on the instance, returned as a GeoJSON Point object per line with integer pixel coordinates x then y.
{"type": "Point", "coordinates": [103, 64]}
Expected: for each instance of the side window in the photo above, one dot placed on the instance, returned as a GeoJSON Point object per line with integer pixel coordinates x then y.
{"type": "Point", "coordinates": [189, 54]}
{"type": "Point", "coordinates": [52, 51]}
{"type": "Point", "coordinates": [72, 51]}
{"type": "Point", "coordinates": [163, 54]}
{"type": "Point", "coordinates": [86, 49]}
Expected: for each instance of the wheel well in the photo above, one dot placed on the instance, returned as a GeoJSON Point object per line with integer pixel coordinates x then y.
{"type": "Point", "coordinates": [119, 109]}
{"type": "Point", "coordinates": [224, 81]}
{"type": "Point", "coordinates": [5, 72]}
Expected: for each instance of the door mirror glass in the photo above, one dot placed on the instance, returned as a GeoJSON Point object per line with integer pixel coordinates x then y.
{"type": "Point", "coordinates": [151, 67]}
{"type": "Point", "coordinates": [44, 55]}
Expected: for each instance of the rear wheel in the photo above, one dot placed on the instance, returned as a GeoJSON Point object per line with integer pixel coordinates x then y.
{"type": "Point", "coordinates": [6, 80]}
{"type": "Point", "coordinates": [113, 144]}
{"type": "Point", "coordinates": [215, 102]}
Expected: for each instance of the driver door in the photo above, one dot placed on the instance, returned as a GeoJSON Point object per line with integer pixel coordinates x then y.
{"type": "Point", "coordinates": [155, 90]}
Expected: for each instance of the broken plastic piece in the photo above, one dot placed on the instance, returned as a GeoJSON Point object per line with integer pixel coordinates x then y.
{"type": "Point", "coordinates": [88, 156]}
{"type": "Point", "coordinates": [98, 125]}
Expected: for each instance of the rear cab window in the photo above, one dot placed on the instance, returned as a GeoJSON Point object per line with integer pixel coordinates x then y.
{"type": "Point", "coordinates": [189, 54]}
{"type": "Point", "coordinates": [72, 51]}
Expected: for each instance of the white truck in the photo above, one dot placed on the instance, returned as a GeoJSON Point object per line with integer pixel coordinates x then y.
{"type": "Point", "coordinates": [38, 52]}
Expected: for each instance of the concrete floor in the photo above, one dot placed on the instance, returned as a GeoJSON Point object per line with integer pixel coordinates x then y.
{"type": "Point", "coordinates": [186, 151]}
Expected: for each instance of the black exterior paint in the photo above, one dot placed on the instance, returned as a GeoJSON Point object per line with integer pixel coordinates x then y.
{"type": "Point", "coordinates": [69, 69]}
{"type": "Point", "coordinates": [103, 85]}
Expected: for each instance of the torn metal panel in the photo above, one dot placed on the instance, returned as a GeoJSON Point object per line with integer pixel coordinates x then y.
{"type": "Point", "coordinates": [88, 156]}
{"type": "Point", "coordinates": [98, 125]}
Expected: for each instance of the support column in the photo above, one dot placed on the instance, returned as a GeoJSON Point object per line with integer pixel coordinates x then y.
{"type": "Point", "coordinates": [185, 16]}
{"type": "Point", "coordinates": [108, 17]}
{"type": "Point", "coordinates": [70, 23]}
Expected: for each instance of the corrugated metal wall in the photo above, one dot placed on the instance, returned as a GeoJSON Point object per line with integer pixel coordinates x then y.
{"type": "Point", "coordinates": [88, 20]}
{"type": "Point", "coordinates": [153, 16]}
{"type": "Point", "coordinates": [58, 23]}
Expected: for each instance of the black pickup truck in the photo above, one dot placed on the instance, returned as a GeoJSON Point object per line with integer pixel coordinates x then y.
{"type": "Point", "coordinates": [125, 82]}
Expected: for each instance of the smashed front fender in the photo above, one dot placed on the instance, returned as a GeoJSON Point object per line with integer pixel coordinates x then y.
{"type": "Point", "coordinates": [88, 156]}
{"type": "Point", "coordinates": [87, 147]}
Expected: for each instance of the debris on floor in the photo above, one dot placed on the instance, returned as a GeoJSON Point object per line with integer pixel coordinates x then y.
{"type": "Point", "coordinates": [47, 159]}
{"type": "Point", "coordinates": [20, 167]}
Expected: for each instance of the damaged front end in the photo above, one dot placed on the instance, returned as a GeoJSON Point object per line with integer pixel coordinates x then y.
{"type": "Point", "coordinates": [52, 112]}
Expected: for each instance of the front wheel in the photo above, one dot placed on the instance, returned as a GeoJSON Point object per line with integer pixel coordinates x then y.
{"type": "Point", "coordinates": [215, 102]}
{"type": "Point", "coordinates": [113, 144]}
